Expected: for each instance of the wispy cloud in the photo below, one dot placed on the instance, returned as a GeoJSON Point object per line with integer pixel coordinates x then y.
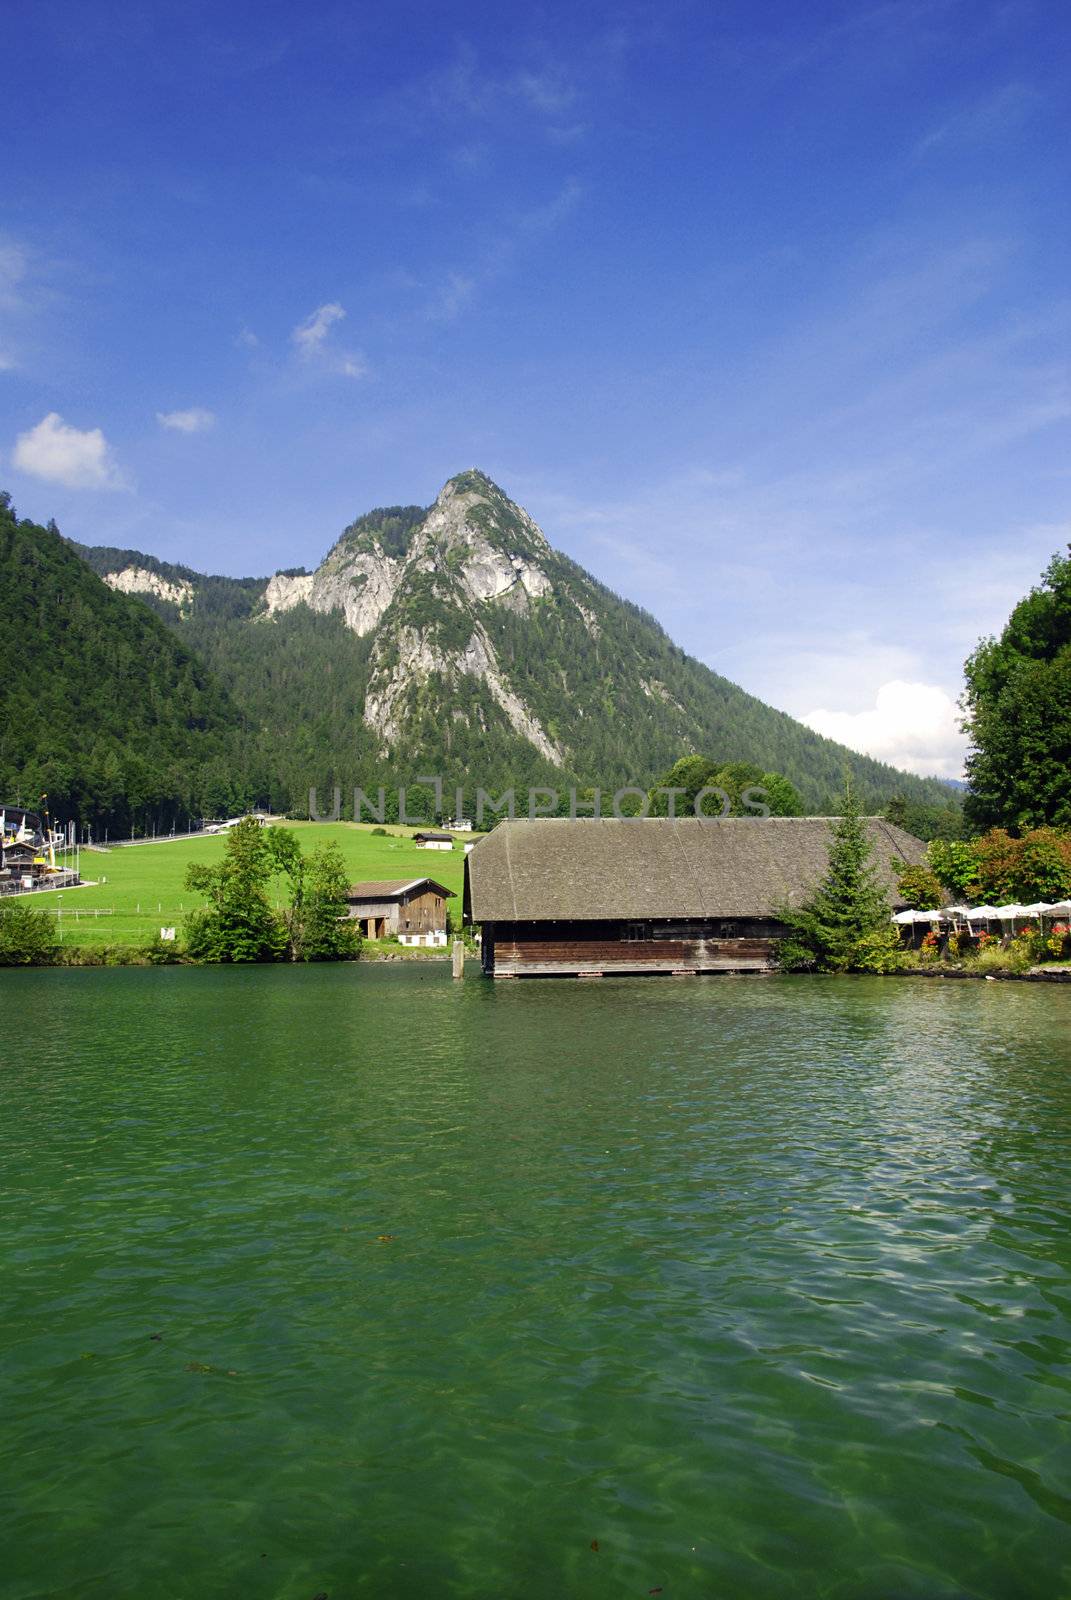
{"type": "Point", "coordinates": [548, 89]}
{"type": "Point", "coordinates": [538, 85]}
{"type": "Point", "coordinates": [226, 58]}
{"type": "Point", "coordinates": [449, 300]}
{"type": "Point", "coordinates": [516, 234]}
{"type": "Point", "coordinates": [14, 264]}
{"type": "Point", "coordinates": [994, 116]}
{"type": "Point", "coordinates": [311, 339]}
{"type": "Point", "coordinates": [195, 420]}
{"type": "Point", "coordinates": [309, 336]}
{"type": "Point", "coordinates": [58, 453]}
{"type": "Point", "coordinates": [473, 158]}
{"type": "Point", "coordinates": [246, 339]}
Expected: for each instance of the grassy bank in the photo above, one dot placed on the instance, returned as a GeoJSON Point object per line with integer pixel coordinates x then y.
{"type": "Point", "coordinates": [135, 890]}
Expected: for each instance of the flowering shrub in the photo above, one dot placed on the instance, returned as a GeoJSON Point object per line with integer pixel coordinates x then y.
{"type": "Point", "coordinates": [1057, 940]}
{"type": "Point", "coordinates": [1028, 946]}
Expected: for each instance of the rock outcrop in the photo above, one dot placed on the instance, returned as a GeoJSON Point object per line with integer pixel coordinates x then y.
{"type": "Point", "coordinates": [139, 580]}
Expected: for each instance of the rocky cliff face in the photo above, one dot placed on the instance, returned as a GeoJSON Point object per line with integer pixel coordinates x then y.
{"type": "Point", "coordinates": [139, 580]}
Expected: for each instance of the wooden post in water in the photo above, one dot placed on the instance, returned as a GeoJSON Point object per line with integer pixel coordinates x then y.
{"type": "Point", "coordinates": [459, 959]}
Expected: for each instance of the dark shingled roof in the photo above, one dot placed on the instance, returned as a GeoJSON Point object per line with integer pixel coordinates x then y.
{"type": "Point", "coordinates": [393, 888]}
{"type": "Point", "coordinates": [602, 869]}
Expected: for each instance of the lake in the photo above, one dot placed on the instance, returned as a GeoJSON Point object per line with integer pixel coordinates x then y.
{"type": "Point", "coordinates": [711, 1288]}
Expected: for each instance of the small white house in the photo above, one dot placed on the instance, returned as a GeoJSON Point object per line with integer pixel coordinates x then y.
{"type": "Point", "coordinates": [433, 841]}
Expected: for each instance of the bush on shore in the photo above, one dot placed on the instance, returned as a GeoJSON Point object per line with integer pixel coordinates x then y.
{"type": "Point", "coordinates": [1028, 948]}
{"type": "Point", "coordinates": [238, 922]}
{"type": "Point", "coordinates": [27, 937]}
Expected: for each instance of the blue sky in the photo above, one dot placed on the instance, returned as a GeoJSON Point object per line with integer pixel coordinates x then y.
{"type": "Point", "coordinates": [761, 310]}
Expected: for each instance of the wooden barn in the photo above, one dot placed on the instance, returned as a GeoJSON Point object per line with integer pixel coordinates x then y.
{"type": "Point", "coordinates": [597, 896]}
{"type": "Point", "coordinates": [412, 910]}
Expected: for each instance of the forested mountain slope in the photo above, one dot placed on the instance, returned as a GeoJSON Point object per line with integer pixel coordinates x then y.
{"type": "Point", "coordinates": [101, 707]}
{"type": "Point", "coordinates": [454, 639]}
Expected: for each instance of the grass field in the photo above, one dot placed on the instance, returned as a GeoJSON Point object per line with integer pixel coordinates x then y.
{"type": "Point", "coordinates": [138, 889]}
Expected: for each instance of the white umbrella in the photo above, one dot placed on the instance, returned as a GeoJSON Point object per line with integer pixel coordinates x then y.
{"type": "Point", "coordinates": [930, 916]}
{"type": "Point", "coordinates": [1062, 908]}
{"type": "Point", "coordinates": [1040, 908]}
{"type": "Point", "coordinates": [904, 916]}
{"type": "Point", "coordinates": [1010, 912]}
{"type": "Point", "coordinates": [983, 914]}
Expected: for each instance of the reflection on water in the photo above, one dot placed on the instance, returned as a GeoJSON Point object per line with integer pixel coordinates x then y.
{"type": "Point", "coordinates": [727, 1287]}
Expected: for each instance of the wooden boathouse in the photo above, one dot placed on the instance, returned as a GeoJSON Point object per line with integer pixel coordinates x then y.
{"type": "Point", "coordinates": [595, 897]}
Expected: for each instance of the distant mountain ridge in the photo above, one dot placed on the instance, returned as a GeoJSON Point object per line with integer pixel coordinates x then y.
{"type": "Point", "coordinates": [454, 639]}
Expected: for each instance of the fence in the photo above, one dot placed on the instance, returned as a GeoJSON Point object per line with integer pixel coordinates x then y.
{"type": "Point", "coordinates": [113, 924]}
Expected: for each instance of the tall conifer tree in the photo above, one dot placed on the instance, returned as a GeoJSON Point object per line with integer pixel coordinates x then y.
{"type": "Point", "coordinates": [845, 925]}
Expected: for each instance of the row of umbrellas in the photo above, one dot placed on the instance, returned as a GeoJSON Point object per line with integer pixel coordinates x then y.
{"type": "Point", "coordinates": [1040, 909]}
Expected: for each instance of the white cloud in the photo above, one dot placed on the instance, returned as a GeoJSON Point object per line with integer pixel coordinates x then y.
{"type": "Point", "coordinates": [195, 420]}
{"type": "Point", "coordinates": [911, 725]}
{"type": "Point", "coordinates": [61, 454]}
{"type": "Point", "coordinates": [310, 339]}
{"type": "Point", "coordinates": [246, 339]}
{"type": "Point", "coordinates": [7, 363]}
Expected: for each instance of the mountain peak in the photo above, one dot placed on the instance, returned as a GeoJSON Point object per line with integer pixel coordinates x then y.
{"type": "Point", "coordinates": [477, 512]}
{"type": "Point", "coordinates": [471, 481]}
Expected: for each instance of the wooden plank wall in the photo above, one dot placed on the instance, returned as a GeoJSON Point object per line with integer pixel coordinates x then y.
{"type": "Point", "coordinates": [571, 956]}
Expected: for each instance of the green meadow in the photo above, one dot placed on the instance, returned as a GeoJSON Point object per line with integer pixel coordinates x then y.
{"type": "Point", "coordinates": [132, 891]}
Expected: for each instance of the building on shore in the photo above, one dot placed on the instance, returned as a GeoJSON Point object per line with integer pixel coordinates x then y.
{"type": "Point", "coordinates": [412, 910]}
{"type": "Point", "coordinates": [28, 853]}
{"type": "Point", "coordinates": [593, 897]}
{"type": "Point", "coordinates": [431, 839]}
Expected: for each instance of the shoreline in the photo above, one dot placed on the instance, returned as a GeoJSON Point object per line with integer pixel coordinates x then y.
{"type": "Point", "coordinates": [116, 957]}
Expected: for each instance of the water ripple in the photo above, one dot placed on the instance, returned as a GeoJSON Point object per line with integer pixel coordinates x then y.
{"type": "Point", "coordinates": [762, 1288]}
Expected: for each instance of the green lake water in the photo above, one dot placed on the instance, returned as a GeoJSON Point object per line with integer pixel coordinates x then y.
{"type": "Point", "coordinates": [713, 1288]}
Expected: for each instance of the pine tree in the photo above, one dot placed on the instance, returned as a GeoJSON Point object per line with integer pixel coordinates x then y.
{"type": "Point", "coordinates": [846, 925]}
